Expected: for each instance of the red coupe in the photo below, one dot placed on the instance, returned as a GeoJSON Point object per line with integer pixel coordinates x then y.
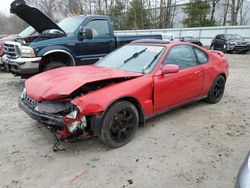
{"type": "Point", "coordinates": [111, 98]}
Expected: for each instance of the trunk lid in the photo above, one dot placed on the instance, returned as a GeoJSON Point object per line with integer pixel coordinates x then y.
{"type": "Point", "coordinates": [61, 82]}
{"type": "Point", "coordinates": [33, 16]}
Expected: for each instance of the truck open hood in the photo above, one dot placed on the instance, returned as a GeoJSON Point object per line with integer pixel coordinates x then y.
{"type": "Point", "coordinates": [33, 16]}
{"type": "Point", "coordinates": [61, 82]}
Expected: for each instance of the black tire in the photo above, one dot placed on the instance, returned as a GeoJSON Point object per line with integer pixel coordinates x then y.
{"type": "Point", "coordinates": [53, 65]}
{"type": "Point", "coordinates": [212, 47]}
{"type": "Point", "coordinates": [119, 125]}
{"type": "Point", "coordinates": [217, 90]}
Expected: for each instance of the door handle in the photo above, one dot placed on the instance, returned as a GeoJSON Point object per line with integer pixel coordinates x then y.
{"type": "Point", "coordinates": [197, 72]}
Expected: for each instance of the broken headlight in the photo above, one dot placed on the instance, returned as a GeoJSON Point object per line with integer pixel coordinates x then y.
{"type": "Point", "coordinates": [73, 114]}
{"type": "Point", "coordinates": [23, 94]}
{"type": "Point", "coordinates": [63, 108]}
{"type": "Point", "coordinates": [77, 125]}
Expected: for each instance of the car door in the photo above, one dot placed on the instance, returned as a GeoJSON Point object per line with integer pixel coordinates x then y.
{"type": "Point", "coordinates": [174, 89]}
{"type": "Point", "coordinates": [103, 42]}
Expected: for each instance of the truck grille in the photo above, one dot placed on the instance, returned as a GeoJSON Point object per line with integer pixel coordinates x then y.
{"type": "Point", "coordinates": [12, 49]}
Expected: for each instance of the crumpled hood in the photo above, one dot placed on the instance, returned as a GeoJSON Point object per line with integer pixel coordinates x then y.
{"type": "Point", "coordinates": [33, 16]}
{"type": "Point", "coordinates": [61, 82]}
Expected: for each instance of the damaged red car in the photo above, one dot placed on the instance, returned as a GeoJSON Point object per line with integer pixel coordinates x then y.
{"type": "Point", "coordinates": [111, 98]}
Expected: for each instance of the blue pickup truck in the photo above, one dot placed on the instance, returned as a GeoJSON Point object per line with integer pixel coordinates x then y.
{"type": "Point", "coordinates": [78, 40]}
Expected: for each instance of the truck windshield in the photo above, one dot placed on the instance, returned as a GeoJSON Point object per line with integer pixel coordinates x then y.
{"type": "Point", "coordinates": [26, 32]}
{"type": "Point", "coordinates": [71, 24]}
{"type": "Point", "coordinates": [134, 58]}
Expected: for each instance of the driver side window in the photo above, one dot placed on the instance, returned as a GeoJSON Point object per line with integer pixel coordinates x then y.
{"type": "Point", "coordinates": [181, 55]}
{"type": "Point", "coordinates": [100, 28]}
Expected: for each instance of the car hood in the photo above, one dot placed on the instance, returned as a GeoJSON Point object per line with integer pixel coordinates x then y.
{"type": "Point", "coordinates": [8, 38]}
{"type": "Point", "coordinates": [238, 42]}
{"type": "Point", "coordinates": [33, 16]}
{"type": "Point", "coordinates": [61, 82]}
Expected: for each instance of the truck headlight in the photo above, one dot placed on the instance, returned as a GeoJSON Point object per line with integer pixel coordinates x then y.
{"type": "Point", "coordinates": [27, 51]}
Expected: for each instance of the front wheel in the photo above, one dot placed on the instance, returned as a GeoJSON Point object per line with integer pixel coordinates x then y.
{"type": "Point", "coordinates": [217, 90]}
{"type": "Point", "coordinates": [53, 65]}
{"type": "Point", "coordinates": [120, 123]}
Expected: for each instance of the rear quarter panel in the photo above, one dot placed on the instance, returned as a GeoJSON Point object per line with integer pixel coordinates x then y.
{"type": "Point", "coordinates": [217, 65]}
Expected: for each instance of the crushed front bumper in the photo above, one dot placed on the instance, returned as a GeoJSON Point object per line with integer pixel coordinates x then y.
{"type": "Point", "coordinates": [22, 66]}
{"type": "Point", "coordinates": [51, 120]}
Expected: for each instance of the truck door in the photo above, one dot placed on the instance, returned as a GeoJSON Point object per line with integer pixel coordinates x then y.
{"type": "Point", "coordinates": [88, 51]}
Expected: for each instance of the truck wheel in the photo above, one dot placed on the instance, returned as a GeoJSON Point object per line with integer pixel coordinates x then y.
{"type": "Point", "coordinates": [53, 65]}
{"type": "Point", "coordinates": [119, 125]}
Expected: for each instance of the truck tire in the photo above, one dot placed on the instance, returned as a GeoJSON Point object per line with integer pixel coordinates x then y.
{"type": "Point", "coordinates": [119, 125]}
{"type": "Point", "coordinates": [53, 65]}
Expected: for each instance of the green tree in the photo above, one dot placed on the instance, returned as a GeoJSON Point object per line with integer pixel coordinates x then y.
{"type": "Point", "coordinates": [197, 12]}
{"type": "Point", "coordinates": [117, 16]}
{"type": "Point", "coordinates": [137, 17]}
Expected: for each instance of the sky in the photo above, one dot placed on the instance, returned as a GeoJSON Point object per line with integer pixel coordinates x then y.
{"type": "Point", "coordinates": [5, 6]}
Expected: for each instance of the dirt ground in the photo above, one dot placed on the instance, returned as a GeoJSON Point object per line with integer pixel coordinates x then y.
{"type": "Point", "coordinates": [199, 145]}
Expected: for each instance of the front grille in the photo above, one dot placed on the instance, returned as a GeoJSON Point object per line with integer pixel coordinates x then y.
{"type": "Point", "coordinates": [241, 44]}
{"type": "Point", "coordinates": [11, 49]}
{"type": "Point", "coordinates": [30, 102]}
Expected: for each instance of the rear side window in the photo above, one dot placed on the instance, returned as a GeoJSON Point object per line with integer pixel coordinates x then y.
{"type": "Point", "coordinates": [202, 57]}
{"type": "Point", "coordinates": [181, 55]}
{"type": "Point", "coordinates": [99, 27]}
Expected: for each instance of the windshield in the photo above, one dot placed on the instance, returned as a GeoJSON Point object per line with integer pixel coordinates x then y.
{"type": "Point", "coordinates": [27, 32]}
{"type": "Point", "coordinates": [134, 58]}
{"type": "Point", "coordinates": [71, 24]}
{"type": "Point", "coordinates": [233, 37]}
{"type": "Point", "coordinates": [189, 38]}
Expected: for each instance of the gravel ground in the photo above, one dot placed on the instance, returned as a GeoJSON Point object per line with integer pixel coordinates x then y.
{"type": "Point", "coordinates": [199, 145]}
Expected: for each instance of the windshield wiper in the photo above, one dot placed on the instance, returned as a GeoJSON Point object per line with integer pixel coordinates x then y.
{"type": "Point", "coordinates": [151, 62]}
{"type": "Point", "coordinates": [135, 55]}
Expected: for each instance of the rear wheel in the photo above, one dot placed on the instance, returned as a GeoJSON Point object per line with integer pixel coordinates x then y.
{"type": "Point", "coordinates": [217, 90]}
{"type": "Point", "coordinates": [120, 123]}
{"type": "Point", "coordinates": [53, 65]}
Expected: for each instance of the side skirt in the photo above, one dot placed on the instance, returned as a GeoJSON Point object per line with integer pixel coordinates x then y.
{"type": "Point", "coordinates": [172, 108]}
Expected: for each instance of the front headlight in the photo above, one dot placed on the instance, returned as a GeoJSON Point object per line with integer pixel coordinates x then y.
{"type": "Point", "coordinates": [232, 43]}
{"type": "Point", "coordinates": [24, 93]}
{"type": "Point", "coordinates": [73, 114]}
{"type": "Point", "coordinates": [27, 51]}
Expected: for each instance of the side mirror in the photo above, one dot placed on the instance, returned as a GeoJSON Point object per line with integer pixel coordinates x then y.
{"type": "Point", "coordinates": [85, 34]}
{"type": "Point", "coordinates": [170, 69]}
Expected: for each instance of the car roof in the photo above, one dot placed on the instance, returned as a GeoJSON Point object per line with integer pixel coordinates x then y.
{"type": "Point", "coordinates": [155, 41]}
